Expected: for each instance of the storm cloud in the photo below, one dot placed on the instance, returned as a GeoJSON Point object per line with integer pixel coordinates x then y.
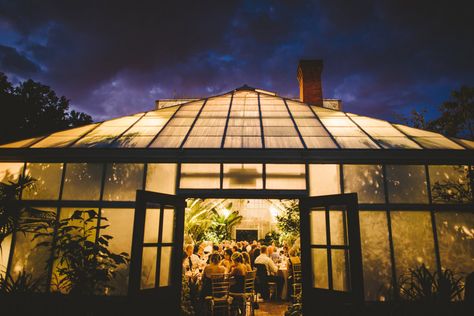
{"type": "Point", "coordinates": [116, 57]}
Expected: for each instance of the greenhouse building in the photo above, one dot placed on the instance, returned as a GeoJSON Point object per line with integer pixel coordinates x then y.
{"type": "Point", "coordinates": [375, 198]}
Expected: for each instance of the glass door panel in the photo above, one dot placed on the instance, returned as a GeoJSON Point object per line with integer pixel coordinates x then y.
{"type": "Point", "coordinates": [331, 255]}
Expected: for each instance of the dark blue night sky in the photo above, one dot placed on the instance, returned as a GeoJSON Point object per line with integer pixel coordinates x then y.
{"type": "Point", "coordinates": [114, 58]}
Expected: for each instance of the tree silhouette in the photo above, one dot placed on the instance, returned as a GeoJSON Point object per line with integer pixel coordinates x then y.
{"type": "Point", "coordinates": [33, 109]}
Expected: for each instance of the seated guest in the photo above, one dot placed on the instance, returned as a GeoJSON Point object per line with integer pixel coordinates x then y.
{"type": "Point", "coordinates": [191, 261]}
{"type": "Point", "coordinates": [254, 255]}
{"type": "Point", "coordinates": [246, 258]}
{"type": "Point", "coordinates": [272, 254]}
{"type": "Point", "coordinates": [226, 262]}
{"type": "Point", "coordinates": [200, 252]}
{"type": "Point", "coordinates": [212, 268]}
{"type": "Point", "coordinates": [272, 269]}
{"type": "Point", "coordinates": [238, 272]}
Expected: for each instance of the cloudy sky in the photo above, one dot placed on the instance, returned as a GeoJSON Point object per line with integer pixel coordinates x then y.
{"type": "Point", "coordinates": [112, 58]}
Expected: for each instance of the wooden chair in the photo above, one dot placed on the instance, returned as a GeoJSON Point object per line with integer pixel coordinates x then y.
{"type": "Point", "coordinates": [297, 281]}
{"type": "Point", "coordinates": [219, 300]}
{"type": "Point", "coordinates": [266, 288]}
{"type": "Point", "coordinates": [248, 295]}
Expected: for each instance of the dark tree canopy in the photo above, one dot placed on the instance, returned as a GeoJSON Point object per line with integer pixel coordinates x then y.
{"type": "Point", "coordinates": [456, 116]}
{"type": "Point", "coordinates": [33, 109]}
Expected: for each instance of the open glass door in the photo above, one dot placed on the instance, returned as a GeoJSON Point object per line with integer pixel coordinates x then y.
{"type": "Point", "coordinates": [331, 251]}
{"type": "Point", "coordinates": [155, 267]}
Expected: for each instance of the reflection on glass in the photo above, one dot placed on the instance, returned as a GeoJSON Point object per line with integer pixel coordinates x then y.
{"type": "Point", "coordinates": [318, 227]}
{"type": "Point", "coordinates": [165, 266]}
{"type": "Point", "coordinates": [168, 225]}
{"type": "Point", "coordinates": [10, 171]}
{"type": "Point", "coordinates": [243, 176]}
{"type": "Point", "coordinates": [148, 275]}
{"type": "Point", "coordinates": [450, 184]}
{"type": "Point", "coordinates": [82, 181]}
{"type": "Point", "coordinates": [375, 255]}
{"type": "Point", "coordinates": [336, 224]}
{"type": "Point", "coordinates": [324, 179]}
{"type": "Point", "coordinates": [161, 177]}
{"type": "Point", "coordinates": [152, 222]}
{"type": "Point", "coordinates": [122, 180]}
{"type": "Point", "coordinates": [406, 184]}
{"type": "Point", "coordinates": [4, 254]}
{"type": "Point", "coordinates": [319, 260]}
{"type": "Point", "coordinates": [412, 240]}
{"type": "Point", "coordinates": [456, 240]}
{"type": "Point", "coordinates": [340, 280]}
{"type": "Point", "coordinates": [366, 181]}
{"type": "Point", "coordinates": [48, 181]}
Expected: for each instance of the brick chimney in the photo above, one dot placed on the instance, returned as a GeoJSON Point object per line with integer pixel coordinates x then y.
{"type": "Point", "coordinates": [309, 78]}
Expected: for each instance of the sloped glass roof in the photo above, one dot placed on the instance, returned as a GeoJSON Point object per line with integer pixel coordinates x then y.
{"type": "Point", "coordinates": [245, 118]}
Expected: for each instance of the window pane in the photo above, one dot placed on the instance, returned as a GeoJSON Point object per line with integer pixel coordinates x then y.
{"type": "Point", "coordinates": [340, 278]}
{"type": "Point", "coordinates": [120, 227]}
{"type": "Point", "coordinates": [165, 266]}
{"type": "Point", "coordinates": [148, 275]}
{"type": "Point", "coordinates": [366, 181]}
{"type": "Point", "coordinates": [324, 179]}
{"type": "Point", "coordinates": [243, 176]}
{"type": "Point", "coordinates": [10, 171]}
{"type": "Point", "coordinates": [29, 258]}
{"type": "Point", "coordinates": [375, 255]}
{"type": "Point", "coordinates": [161, 177]}
{"type": "Point", "coordinates": [4, 254]}
{"type": "Point", "coordinates": [318, 227]}
{"type": "Point", "coordinates": [319, 259]}
{"type": "Point", "coordinates": [337, 229]}
{"type": "Point", "coordinates": [285, 177]}
{"type": "Point", "coordinates": [122, 180]}
{"type": "Point", "coordinates": [82, 181]}
{"type": "Point", "coordinates": [406, 184]}
{"type": "Point", "coordinates": [397, 142]}
{"type": "Point", "coordinates": [437, 143]}
{"type": "Point", "coordinates": [48, 181]}
{"type": "Point", "coordinates": [200, 176]}
{"type": "Point", "coordinates": [168, 225]}
{"type": "Point", "coordinates": [356, 142]}
{"type": "Point", "coordinates": [456, 241]}
{"type": "Point", "coordinates": [412, 240]}
{"type": "Point", "coordinates": [152, 222]}
{"type": "Point", "coordinates": [450, 184]}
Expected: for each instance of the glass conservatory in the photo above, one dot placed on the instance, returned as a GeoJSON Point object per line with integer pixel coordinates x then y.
{"type": "Point", "coordinates": [376, 198]}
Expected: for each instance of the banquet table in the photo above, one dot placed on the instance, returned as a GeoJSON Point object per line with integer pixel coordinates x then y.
{"type": "Point", "coordinates": [283, 272]}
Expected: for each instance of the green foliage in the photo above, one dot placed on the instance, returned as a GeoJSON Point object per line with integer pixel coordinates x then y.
{"type": "Point", "coordinates": [22, 284]}
{"type": "Point", "coordinates": [272, 236]}
{"type": "Point", "coordinates": [187, 308]}
{"type": "Point", "coordinates": [15, 215]}
{"type": "Point", "coordinates": [421, 285]}
{"type": "Point", "coordinates": [203, 221]}
{"type": "Point", "coordinates": [288, 222]}
{"type": "Point", "coordinates": [84, 265]}
{"type": "Point", "coordinates": [33, 109]}
{"type": "Point", "coordinates": [456, 115]}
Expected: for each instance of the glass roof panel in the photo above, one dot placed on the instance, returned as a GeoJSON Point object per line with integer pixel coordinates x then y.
{"type": "Point", "coordinates": [143, 131]}
{"type": "Point", "coordinates": [364, 121]}
{"type": "Point", "coordinates": [78, 131]}
{"type": "Point", "coordinates": [243, 131]}
{"type": "Point", "coordinates": [383, 131]}
{"type": "Point", "coordinates": [242, 142]}
{"type": "Point", "coordinates": [122, 121]}
{"type": "Point", "coordinates": [345, 131]}
{"type": "Point", "coordinates": [277, 122]}
{"type": "Point", "coordinates": [244, 122]}
{"type": "Point", "coordinates": [397, 143]}
{"type": "Point", "coordinates": [283, 142]}
{"type": "Point", "coordinates": [132, 142]}
{"type": "Point", "coordinates": [110, 131]}
{"type": "Point", "coordinates": [94, 141]}
{"type": "Point", "coordinates": [467, 143]}
{"type": "Point", "coordinates": [322, 112]}
{"type": "Point", "coordinates": [207, 131]}
{"type": "Point", "coordinates": [163, 112]}
{"type": "Point", "coordinates": [356, 142]}
{"type": "Point", "coordinates": [307, 122]}
{"type": "Point", "coordinates": [312, 131]}
{"type": "Point", "coordinates": [319, 142]}
{"type": "Point", "coordinates": [279, 131]}
{"type": "Point", "coordinates": [336, 121]}
{"type": "Point", "coordinates": [411, 131]}
{"type": "Point", "coordinates": [55, 142]}
{"type": "Point", "coordinates": [203, 142]}
{"type": "Point", "coordinates": [167, 142]}
{"type": "Point", "coordinates": [21, 143]}
{"type": "Point", "coordinates": [175, 131]}
{"type": "Point", "coordinates": [153, 121]}
{"type": "Point", "coordinates": [437, 143]}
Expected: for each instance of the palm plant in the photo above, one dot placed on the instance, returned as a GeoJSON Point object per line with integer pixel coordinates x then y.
{"type": "Point", "coordinates": [17, 216]}
{"type": "Point", "coordinates": [422, 285]}
{"type": "Point", "coordinates": [198, 219]}
{"type": "Point", "coordinates": [222, 223]}
{"type": "Point", "coordinates": [22, 284]}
